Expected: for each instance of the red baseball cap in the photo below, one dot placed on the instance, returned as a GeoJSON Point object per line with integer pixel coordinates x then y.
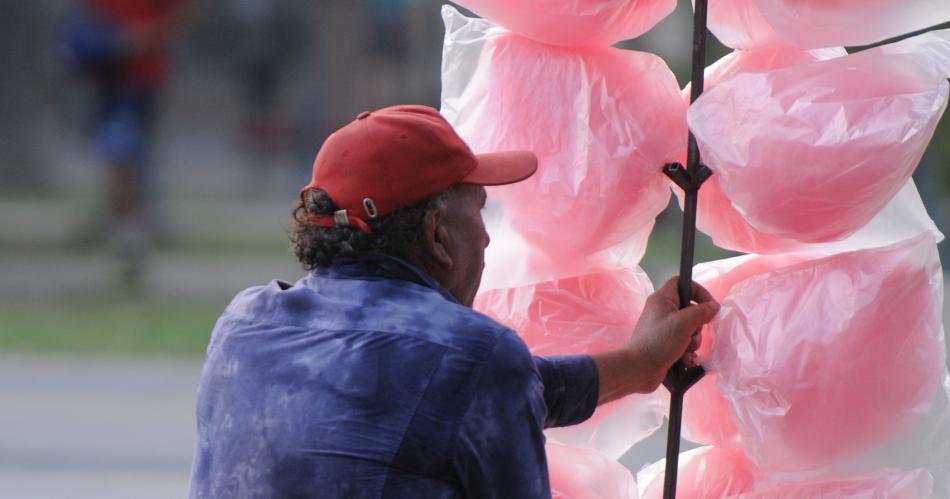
{"type": "Point", "coordinates": [397, 156]}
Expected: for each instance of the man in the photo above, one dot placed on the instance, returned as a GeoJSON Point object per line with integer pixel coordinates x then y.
{"type": "Point", "coordinates": [372, 376]}
{"type": "Point", "coordinates": [122, 47]}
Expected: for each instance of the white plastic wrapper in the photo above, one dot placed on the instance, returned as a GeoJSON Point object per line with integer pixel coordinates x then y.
{"type": "Point", "coordinates": [740, 24]}
{"type": "Point", "coordinates": [831, 358]}
{"type": "Point", "coordinates": [809, 24]}
{"type": "Point", "coordinates": [578, 473]}
{"type": "Point", "coordinates": [812, 152]}
{"type": "Point", "coordinates": [715, 473]}
{"type": "Point", "coordinates": [585, 314]}
{"type": "Point", "coordinates": [574, 22]}
{"type": "Point", "coordinates": [889, 483]}
{"type": "Point", "coordinates": [602, 121]}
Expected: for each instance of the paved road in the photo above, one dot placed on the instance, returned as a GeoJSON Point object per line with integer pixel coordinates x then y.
{"type": "Point", "coordinates": [95, 428]}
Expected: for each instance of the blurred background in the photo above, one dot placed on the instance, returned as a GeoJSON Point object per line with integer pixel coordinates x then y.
{"type": "Point", "coordinates": [135, 203]}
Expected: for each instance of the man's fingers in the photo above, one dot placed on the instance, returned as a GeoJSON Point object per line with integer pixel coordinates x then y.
{"type": "Point", "coordinates": [701, 294]}
{"type": "Point", "coordinates": [690, 359]}
{"type": "Point", "coordinates": [698, 294]}
{"type": "Point", "coordinates": [693, 317]}
{"type": "Point", "coordinates": [695, 342]}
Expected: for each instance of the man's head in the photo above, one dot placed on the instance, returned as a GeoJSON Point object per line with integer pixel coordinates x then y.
{"type": "Point", "coordinates": [400, 181]}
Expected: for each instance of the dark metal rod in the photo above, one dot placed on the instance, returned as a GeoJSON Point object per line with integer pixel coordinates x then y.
{"type": "Point", "coordinates": [680, 379]}
{"type": "Point", "coordinates": [673, 445]}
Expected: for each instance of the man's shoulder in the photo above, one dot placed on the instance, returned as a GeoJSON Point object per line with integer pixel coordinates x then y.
{"type": "Point", "coordinates": [385, 307]}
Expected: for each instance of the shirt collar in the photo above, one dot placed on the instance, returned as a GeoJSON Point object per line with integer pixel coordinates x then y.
{"type": "Point", "coordinates": [380, 266]}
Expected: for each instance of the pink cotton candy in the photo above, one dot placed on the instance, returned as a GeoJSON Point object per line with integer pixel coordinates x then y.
{"type": "Point", "coordinates": [812, 152]}
{"type": "Point", "coordinates": [885, 484]}
{"type": "Point", "coordinates": [704, 473]}
{"type": "Point", "coordinates": [715, 214]}
{"type": "Point", "coordinates": [827, 23]}
{"type": "Point", "coordinates": [578, 473]}
{"type": "Point", "coordinates": [602, 121]}
{"type": "Point", "coordinates": [708, 418]}
{"type": "Point", "coordinates": [586, 314]}
{"type": "Point", "coordinates": [577, 22]}
{"type": "Point", "coordinates": [831, 357]}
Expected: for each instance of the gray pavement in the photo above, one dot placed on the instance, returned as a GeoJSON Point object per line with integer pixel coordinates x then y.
{"type": "Point", "coordinates": [95, 428]}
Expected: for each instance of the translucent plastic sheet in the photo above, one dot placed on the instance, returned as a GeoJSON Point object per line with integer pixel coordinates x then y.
{"type": "Point", "coordinates": [889, 484]}
{"type": "Point", "coordinates": [845, 353]}
{"type": "Point", "coordinates": [850, 22]}
{"type": "Point", "coordinates": [740, 24]}
{"type": "Point", "coordinates": [511, 261]}
{"type": "Point", "coordinates": [714, 473]}
{"type": "Point", "coordinates": [587, 474]}
{"type": "Point", "coordinates": [585, 314]}
{"type": "Point", "coordinates": [812, 152]}
{"type": "Point", "coordinates": [574, 22]}
{"type": "Point", "coordinates": [602, 121]}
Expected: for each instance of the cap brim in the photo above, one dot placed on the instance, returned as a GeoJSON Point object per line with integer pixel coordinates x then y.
{"type": "Point", "coordinates": [500, 168]}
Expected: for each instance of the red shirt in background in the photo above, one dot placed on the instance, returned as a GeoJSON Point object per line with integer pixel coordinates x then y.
{"type": "Point", "coordinates": [150, 66]}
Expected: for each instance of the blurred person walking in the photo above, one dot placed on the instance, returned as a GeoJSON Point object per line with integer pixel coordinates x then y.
{"type": "Point", "coordinates": [121, 48]}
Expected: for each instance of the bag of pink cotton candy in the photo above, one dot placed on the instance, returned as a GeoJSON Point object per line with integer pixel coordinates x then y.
{"type": "Point", "coordinates": [715, 214]}
{"type": "Point", "coordinates": [578, 473]}
{"type": "Point", "coordinates": [577, 23]}
{"type": "Point", "coordinates": [585, 314]}
{"type": "Point", "coordinates": [812, 152]}
{"type": "Point", "coordinates": [602, 122]}
{"type": "Point", "coordinates": [749, 24]}
{"type": "Point", "coordinates": [849, 22]}
{"type": "Point", "coordinates": [826, 359]}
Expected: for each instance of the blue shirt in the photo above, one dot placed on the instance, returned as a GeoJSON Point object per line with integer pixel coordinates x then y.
{"type": "Point", "coordinates": [368, 379]}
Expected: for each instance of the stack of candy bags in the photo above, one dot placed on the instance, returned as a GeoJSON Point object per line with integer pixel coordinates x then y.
{"type": "Point", "coordinates": [827, 369]}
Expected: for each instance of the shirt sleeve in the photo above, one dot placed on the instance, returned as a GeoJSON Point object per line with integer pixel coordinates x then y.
{"type": "Point", "coordinates": [571, 386]}
{"type": "Point", "coordinates": [499, 452]}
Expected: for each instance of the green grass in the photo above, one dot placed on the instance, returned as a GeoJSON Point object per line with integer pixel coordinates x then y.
{"type": "Point", "coordinates": [105, 326]}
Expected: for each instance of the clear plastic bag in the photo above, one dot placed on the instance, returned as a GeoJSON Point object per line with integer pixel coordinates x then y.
{"type": "Point", "coordinates": [585, 314]}
{"type": "Point", "coordinates": [574, 23]}
{"type": "Point", "coordinates": [849, 22]}
{"type": "Point", "coordinates": [888, 483]}
{"type": "Point", "coordinates": [812, 152]}
{"type": "Point", "coordinates": [833, 357]}
{"type": "Point", "coordinates": [740, 24]}
{"type": "Point", "coordinates": [578, 473]}
{"type": "Point", "coordinates": [602, 121]}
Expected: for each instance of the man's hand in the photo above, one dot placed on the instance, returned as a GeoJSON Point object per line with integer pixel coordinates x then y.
{"type": "Point", "coordinates": [664, 334]}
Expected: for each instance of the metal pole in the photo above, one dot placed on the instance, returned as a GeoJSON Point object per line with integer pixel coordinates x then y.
{"type": "Point", "coordinates": [680, 378]}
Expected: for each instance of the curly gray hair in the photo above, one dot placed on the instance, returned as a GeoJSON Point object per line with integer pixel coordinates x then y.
{"type": "Point", "coordinates": [397, 234]}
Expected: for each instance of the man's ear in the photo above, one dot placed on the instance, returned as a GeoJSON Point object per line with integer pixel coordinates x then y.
{"type": "Point", "coordinates": [435, 238]}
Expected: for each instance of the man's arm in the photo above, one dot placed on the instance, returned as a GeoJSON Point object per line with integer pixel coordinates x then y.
{"type": "Point", "coordinates": [574, 385]}
{"type": "Point", "coordinates": [499, 451]}
{"type": "Point", "coordinates": [570, 388]}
